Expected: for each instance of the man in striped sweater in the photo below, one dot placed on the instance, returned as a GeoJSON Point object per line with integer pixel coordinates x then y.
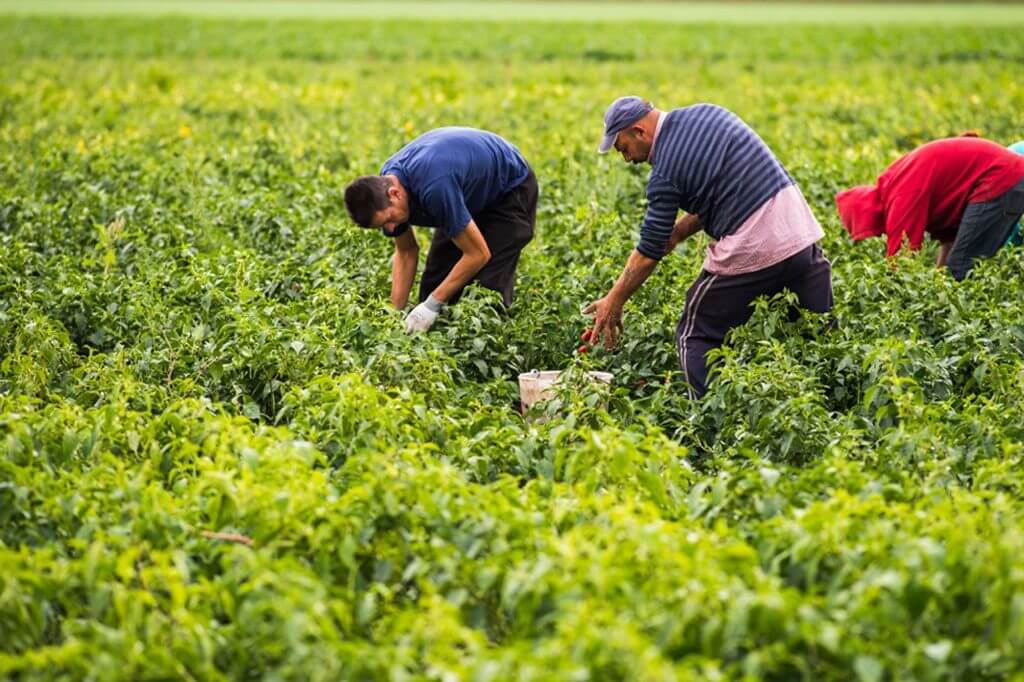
{"type": "Point", "coordinates": [712, 165]}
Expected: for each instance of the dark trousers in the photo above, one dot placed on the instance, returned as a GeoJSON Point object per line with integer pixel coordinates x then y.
{"type": "Point", "coordinates": [984, 228]}
{"type": "Point", "coordinates": [507, 226]}
{"type": "Point", "coordinates": [717, 303]}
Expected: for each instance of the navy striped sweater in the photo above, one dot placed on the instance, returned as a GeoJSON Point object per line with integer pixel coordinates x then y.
{"type": "Point", "coordinates": [709, 162]}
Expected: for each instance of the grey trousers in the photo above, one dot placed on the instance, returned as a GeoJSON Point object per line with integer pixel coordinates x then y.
{"type": "Point", "coordinates": [984, 228]}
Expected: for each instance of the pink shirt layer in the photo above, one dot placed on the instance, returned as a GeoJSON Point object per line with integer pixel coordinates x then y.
{"type": "Point", "coordinates": [781, 227]}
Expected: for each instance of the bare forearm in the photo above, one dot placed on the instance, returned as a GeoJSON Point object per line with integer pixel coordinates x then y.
{"type": "Point", "coordinates": [464, 271]}
{"type": "Point", "coordinates": [943, 254]}
{"type": "Point", "coordinates": [403, 272]}
{"type": "Point", "coordinates": [687, 226]}
{"type": "Point", "coordinates": [638, 268]}
{"type": "Point", "coordinates": [684, 228]}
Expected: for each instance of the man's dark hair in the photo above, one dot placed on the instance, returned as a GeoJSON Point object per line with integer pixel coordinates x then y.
{"type": "Point", "coordinates": [365, 196]}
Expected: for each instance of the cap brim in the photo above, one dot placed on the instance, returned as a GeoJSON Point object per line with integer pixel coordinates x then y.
{"type": "Point", "coordinates": [607, 142]}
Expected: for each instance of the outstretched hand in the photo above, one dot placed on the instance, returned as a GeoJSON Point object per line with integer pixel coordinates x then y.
{"type": "Point", "coordinates": [607, 321]}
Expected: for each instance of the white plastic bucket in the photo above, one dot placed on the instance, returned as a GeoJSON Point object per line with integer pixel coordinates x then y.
{"type": "Point", "coordinates": [537, 385]}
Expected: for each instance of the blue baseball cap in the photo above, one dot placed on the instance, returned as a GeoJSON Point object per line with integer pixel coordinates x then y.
{"type": "Point", "coordinates": [619, 115]}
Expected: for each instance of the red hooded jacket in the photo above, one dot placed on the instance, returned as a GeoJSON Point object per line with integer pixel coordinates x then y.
{"type": "Point", "coordinates": [927, 191]}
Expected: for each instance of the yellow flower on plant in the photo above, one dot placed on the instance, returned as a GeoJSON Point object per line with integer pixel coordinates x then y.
{"type": "Point", "coordinates": [184, 131]}
{"type": "Point", "coordinates": [80, 146]}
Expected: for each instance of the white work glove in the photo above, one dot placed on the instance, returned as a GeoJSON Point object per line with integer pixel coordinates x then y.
{"type": "Point", "coordinates": [422, 317]}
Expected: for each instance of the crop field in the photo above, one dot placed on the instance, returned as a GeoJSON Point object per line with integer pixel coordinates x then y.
{"type": "Point", "coordinates": [1006, 12]}
{"type": "Point", "coordinates": [222, 458]}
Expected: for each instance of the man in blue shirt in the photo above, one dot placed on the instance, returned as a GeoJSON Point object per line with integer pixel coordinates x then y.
{"type": "Point", "coordinates": [478, 193]}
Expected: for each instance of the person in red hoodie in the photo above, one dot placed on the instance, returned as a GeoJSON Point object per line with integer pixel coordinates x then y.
{"type": "Point", "coordinates": [966, 192]}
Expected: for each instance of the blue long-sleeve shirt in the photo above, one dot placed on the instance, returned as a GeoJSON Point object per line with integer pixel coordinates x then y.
{"type": "Point", "coordinates": [709, 162]}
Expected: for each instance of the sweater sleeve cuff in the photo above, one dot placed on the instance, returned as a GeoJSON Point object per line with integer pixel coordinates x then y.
{"type": "Point", "coordinates": [646, 250]}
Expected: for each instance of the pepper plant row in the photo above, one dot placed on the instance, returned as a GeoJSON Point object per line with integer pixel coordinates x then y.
{"type": "Point", "coordinates": [222, 458]}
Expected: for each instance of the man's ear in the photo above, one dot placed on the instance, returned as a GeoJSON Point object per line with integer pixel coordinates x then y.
{"type": "Point", "coordinates": [393, 193]}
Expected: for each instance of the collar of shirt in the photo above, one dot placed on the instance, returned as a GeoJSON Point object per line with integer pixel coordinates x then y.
{"type": "Point", "coordinates": [654, 140]}
{"type": "Point", "coordinates": [417, 216]}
